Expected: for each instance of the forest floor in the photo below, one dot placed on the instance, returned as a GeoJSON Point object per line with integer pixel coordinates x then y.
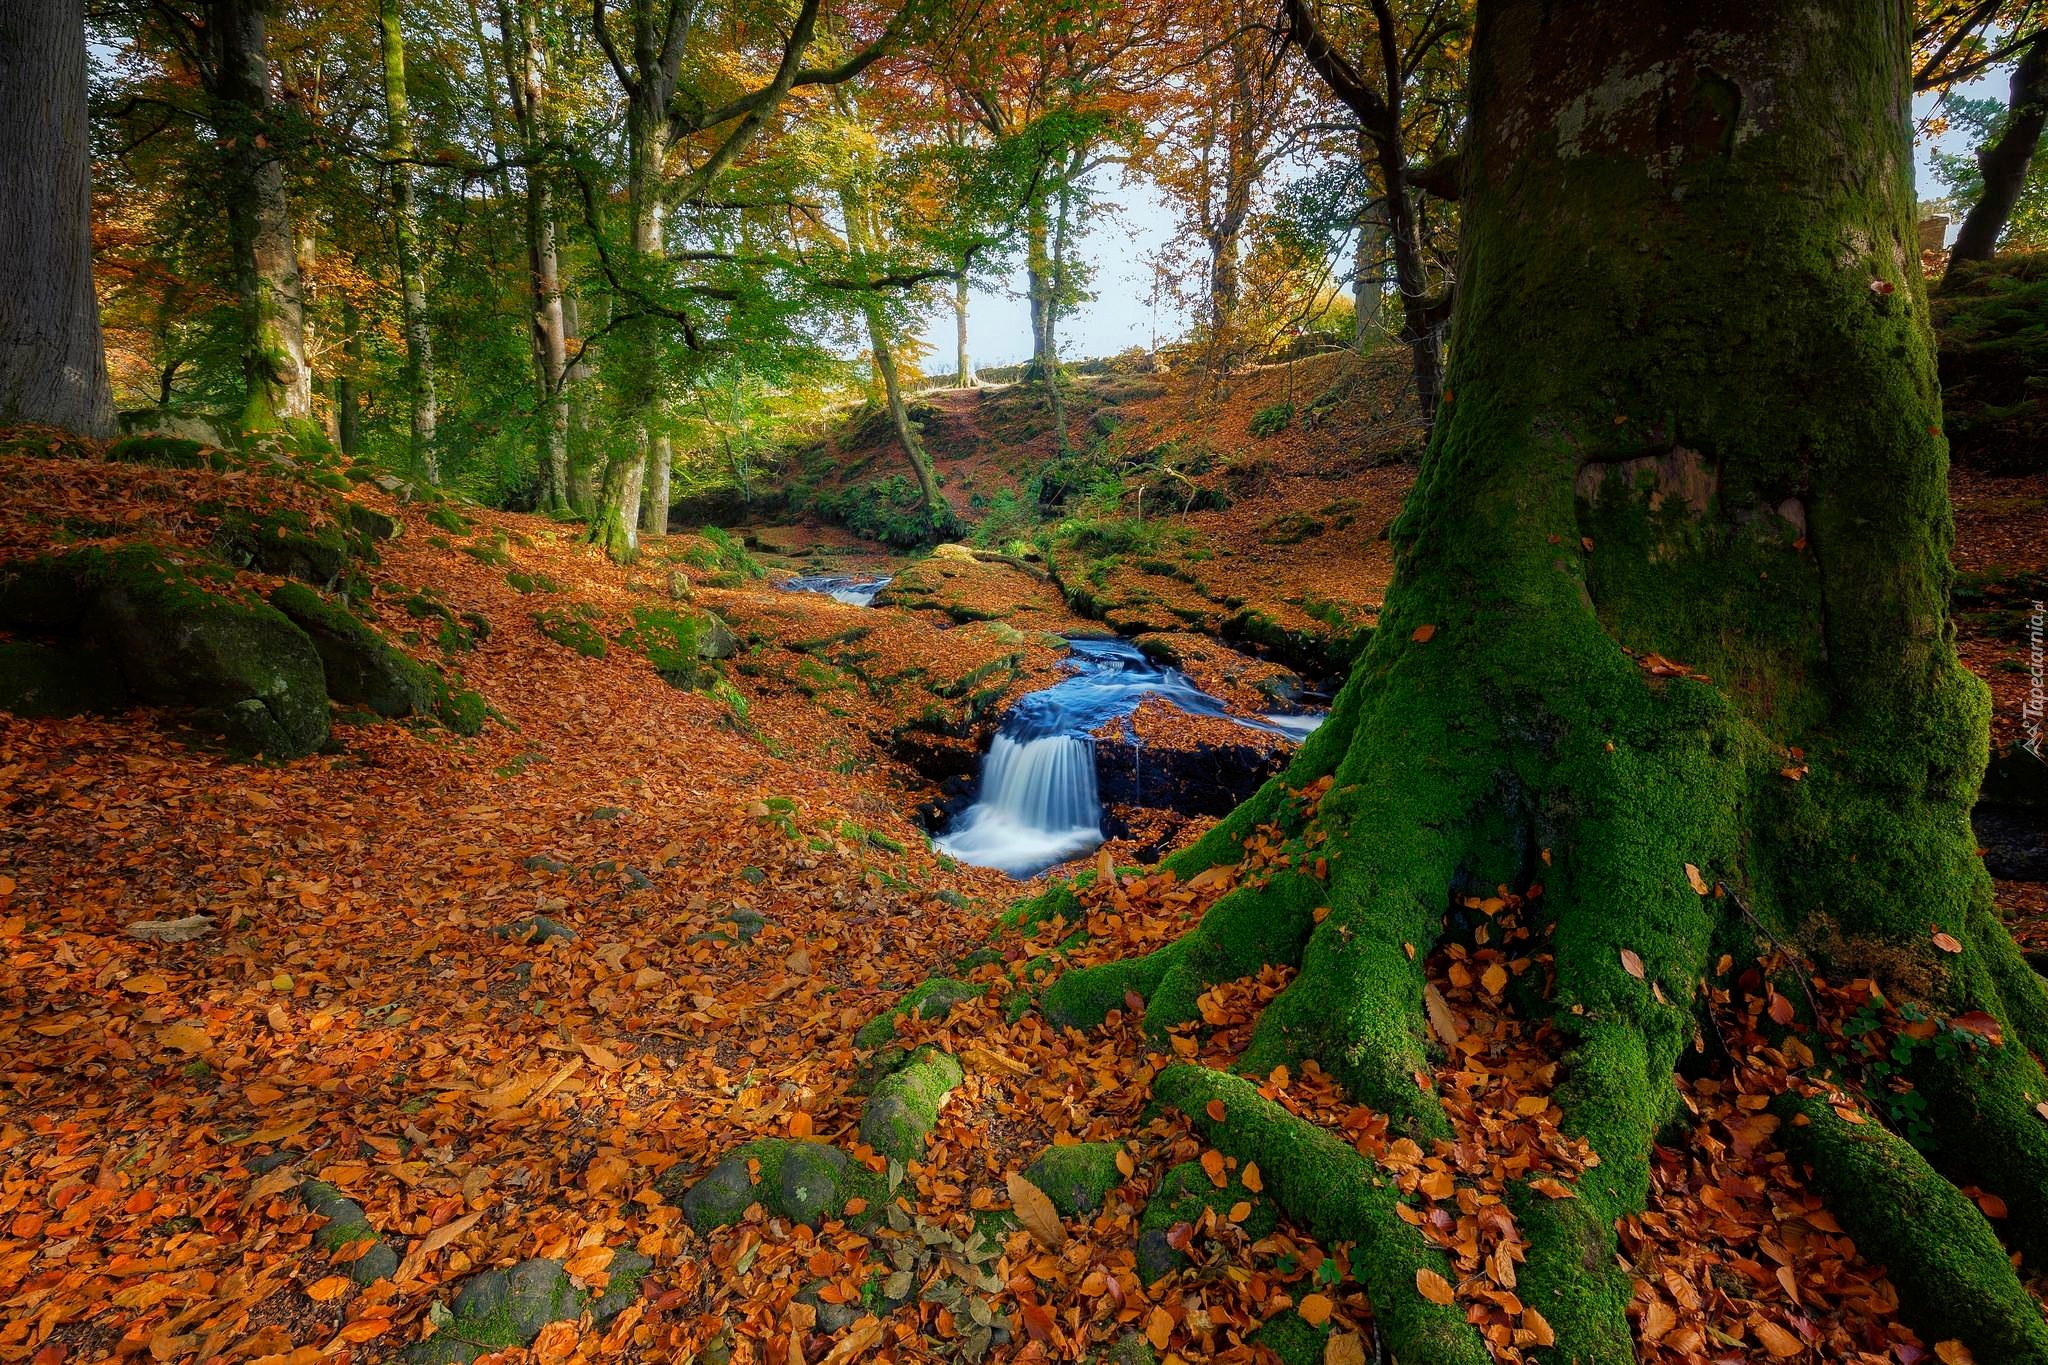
{"type": "Point", "coordinates": [747, 885]}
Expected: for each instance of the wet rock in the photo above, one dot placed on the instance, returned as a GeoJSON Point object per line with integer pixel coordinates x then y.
{"type": "Point", "coordinates": [535, 929]}
{"type": "Point", "coordinates": [804, 1181]}
{"type": "Point", "coordinates": [498, 1310]}
{"type": "Point", "coordinates": [1194, 779]}
{"type": "Point", "coordinates": [371, 524]}
{"type": "Point", "coordinates": [627, 1271]}
{"type": "Point", "coordinates": [347, 1227]}
{"type": "Point", "coordinates": [610, 813]}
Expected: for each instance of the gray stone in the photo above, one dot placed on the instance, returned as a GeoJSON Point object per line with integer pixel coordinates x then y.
{"type": "Point", "coordinates": [541, 862]}
{"type": "Point", "coordinates": [627, 1270]}
{"type": "Point", "coordinates": [535, 929]}
{"type": "Point", "coordinates": [715, 639]}
{"type": "Point", "coordinates": [809, 1186]}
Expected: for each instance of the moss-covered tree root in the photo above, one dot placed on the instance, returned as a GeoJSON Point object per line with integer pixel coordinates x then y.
{"type": "Point", "coordinates": [1953, 1278]}
{"type": "Point", "coordinates": [1328, 1188]}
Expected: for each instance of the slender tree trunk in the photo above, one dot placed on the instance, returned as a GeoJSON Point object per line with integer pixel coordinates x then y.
{"type": "Point", "coordinates": [412, 281]}
{"type": "Point", "coordinates": [1642, 454]}
{"type": "Point", "coordinates": [655, 496]}
{"type": "Point", "coordinates": [525, 61]}
{"type": "Point", "coordinates": [963, 373]}
{"type": "Point", "coordinates": [935, 510]}
{"type": "Point", "coordinates": [2006, 158]}
{"type": "Point", "coordinates": [348, 411]}
{"type": "Point", "coordinates": [1365, 273]}
{"type": "Point", "coordinates": [253, 137]}
{"type": "Point", "coordinates": [582, 489]}
{"type": "Point", "coordinates": [1420, 326]}
{"type": "Point", "coordinates": [616, 523]}
{"type": "Point", "coordinates": [53, 365]}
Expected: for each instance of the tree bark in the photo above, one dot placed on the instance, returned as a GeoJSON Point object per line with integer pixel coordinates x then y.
{"type": "Point", "coordinates": [2006, 159]}
{"type": "Point", "coordinates": [53, 364]}
{"type": "Point", "coordinates": [525, 61]}
{"type": "Point", "coordinates": [253, 136]}
{"type": "Point", "coordinates": [1642, 454]}
{"type": "Point", "coordinates": [412, 281]}
{"type": "Point", "coordinates": [348, 408]}
{"type": "Point", "coordinates": [963, 372]}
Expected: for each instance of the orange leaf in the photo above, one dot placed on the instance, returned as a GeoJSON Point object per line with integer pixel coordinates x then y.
{"type": "Point", "coordinates": [1422, 634]}
{"type": "Point", "coordinates": [1538, 1328]}
{"type": "Point", "coordinates": [1984, 1025]}
{"type": "Point", "coordinates": [1552, 1188]}
{"type": "Point", "coordinates": [1159, 1328]}
{"type": "Point", "coordinates": [1777, 1340]}
{"type": "Point", "coordinates": [1434, 1287]}
{"type": "Point", "coordinates": [1953, 1352]}
{"type": "Point", "coordinates": [1212, 1165]}
{"type": "Point", "coordinates": [800, 1124]}
{"type": "Point", "coordinates": [1214, 1109]}
{"type": "Point", "coordinates": [1692, 875]}
{"type": "Point", "coordinates": [1946, 942]}
{"type": "Point", "coordinates": [1314, 1309]}
{"type": "Point", "coordinates": [1036, 1213]}
{"type": "Point", "coordinates": [1344, 1348]}
{"type": "Point", "coordinates": [329, 1289]}
{"type": "Point", "coordinates": [1993, 1206]}
{"type": "Point", "coordinates": [1494, 978]}
{"type": "Point", "coordinates": [1658, 1319]}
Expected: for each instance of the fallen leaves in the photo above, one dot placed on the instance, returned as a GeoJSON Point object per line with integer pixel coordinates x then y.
{"type": "Point", "coordinates": [1423, 634]}
{"type": "Point", "coordinates": [1947, 942]}
{"type": "Point", "coordinates": [1434, 1287]}
{"type": "Point", "coordinates": [1695, 880]}
{"type": "Point", "coordinates": [1632, 963]}
{"type": "Point", "coordinates": [1036, 1213]}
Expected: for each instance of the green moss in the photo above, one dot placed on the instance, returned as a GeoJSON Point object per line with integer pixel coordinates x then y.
{"type": "Point", "coordinates": [572, 628]}
{"type": "Point", "coordinates": [448, 519]}
{"type": "Point", "coordinates": [904, 1106]}
{"type": "Point", "coordinates": [1290, 1337]}
{"type": "Point", "coordinates": [361, 667]}
{"type": "Point", "coordinates": [1326, 1187]}
{"type": "Point", "coordinates": [809, 1182]}
{"type": "Point", "coordinates": [58, 680]}
{"type": "Point", "coordinates": [1953, 1277]}
{"type": "Point", "coordinates": [932, 999]}
{"type": "Point", "coordinates": [167, 452]}
{"type": "Point", "coordinates": [523, 582]}
{"type": "Point", "coordinates": [279, 540]}
{"type": "Point", "coordinates": [1078, 1177]}
{"type": "Point", "coordinates": [1183, 1196]}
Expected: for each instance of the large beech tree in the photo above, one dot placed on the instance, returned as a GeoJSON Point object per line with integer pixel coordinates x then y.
{"type": "Point", "coordinates": [1692, 413]}
{"type": "Point", "coordinates": [53, 368]}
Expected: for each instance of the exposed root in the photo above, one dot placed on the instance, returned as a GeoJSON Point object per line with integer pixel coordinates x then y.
{"type": "Point", "coordinates": [1951, 1272]}
{"type": "Point", "coordinates": [1328, 1188]}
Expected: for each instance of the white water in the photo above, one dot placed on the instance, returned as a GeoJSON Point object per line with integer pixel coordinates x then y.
{"type": "Point", "coordinates": [854, 592]}
{"type": "Point", "coordinates": [1037, 803]}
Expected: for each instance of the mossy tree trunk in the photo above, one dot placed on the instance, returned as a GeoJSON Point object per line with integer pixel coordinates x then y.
{"type": "Point", "coordinates": [253, 136]}
{"type": "Point", "coordinates": [412, 280]}
{"type": "Point", "coordinates": [1693, 413]}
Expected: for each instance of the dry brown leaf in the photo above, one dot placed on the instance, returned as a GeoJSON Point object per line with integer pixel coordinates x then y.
{"type": "Point", "coordinates": [1159, 1328]}
{"type": "Point", "coordinates": [1946, 942]}
{"type": "Point", "coordinates": [329, 1289]}
{"type": "Point", "coordinates": [855, 1343]}
{"type": "Point", "coordinates": [1314, 1309]}
{"type": "Point", "coordinates": [1443, 1020]}
{"type": "Point", "coordinates": [1538, 1328]}
{"type": "Point", "coordinates": [1695, 880]}
{"type": "Point", "coordinates": [1434, 1287]}
{"type": "Point", "coordinates": [1658, 1319]}
{"type": "Point", "coordinates": [1036, 1213]}
{"type": "Point", "coordinates": [1777, 1340]}
{"type": "Point", "coordinates": [1631, 963]}
{"type": "Point", "coordinates": [1253, 1181]}
{"type": "Point", "coordinates": [1953, 1352]}
{"type": "Point", "coordinates": [1344, 1348]}
{"type": "Point", "coordinates": [1423, 634]}
{"type": "Point", "coordinates": [1494, 979]}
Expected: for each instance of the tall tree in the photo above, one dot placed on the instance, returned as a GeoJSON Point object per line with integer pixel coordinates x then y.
{"type": "Point", "coordinates": [400, 156]}
{"type": "Point", "coordinates": [2003, 161]}
{"type": "Point", "coordinates": [1645, 457]}
{"type": "Point", "coordinates": [1376, 90]}
{"type": "Point", "coordinates": [53, 364]}
{"type": "Point", "coordinates": [231, 48]}
{"type": "Point", "coordinates": [525, 59]}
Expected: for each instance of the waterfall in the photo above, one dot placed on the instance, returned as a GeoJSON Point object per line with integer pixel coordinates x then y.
{"type": "Point", "coordinates": [1038, 804]}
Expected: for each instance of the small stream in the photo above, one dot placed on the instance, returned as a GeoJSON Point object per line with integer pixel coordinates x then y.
{"type": "Point", "coordinates": [1037, 802]}
{"type": "Point", "coordinates": [853, 589]}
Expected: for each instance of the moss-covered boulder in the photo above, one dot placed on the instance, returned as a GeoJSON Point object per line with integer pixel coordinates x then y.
{"type": "Point", "coordinates": [1078, 1177]}
{"type": "Point", "coordinates": [806, 1182]}
{"type": "Point", "coordinates": [42, 595]}
{"type": "Point", "coordinates": [241, 668]}
{"type": "Point", "coordinates": [1183, 1197]}
{"type": "Point", "coordinates": [363, 669]}
{"type": "Point", "coordinates": [1293, 1339]}
{"type": "Point", "coordinates": [280, 541]}
{"type": "Point", "coordinates": [499, 1310]}
{"type": "Point", "coordinates": [167, 451]}
{"type": "Point", "coordinates": [904, 1106]}
{"type": "Point", "coordinates": [371, 524]}
{"type": "Point", "coordinates": [67, 679]}
{"type": "Point", "coordinates": [932, 999]}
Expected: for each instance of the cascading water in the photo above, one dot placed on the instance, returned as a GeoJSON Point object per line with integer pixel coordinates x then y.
{"type": "Point", "coordinates": [851, 589]}
{"type": "Point", "coordinates": [1037, 803]}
